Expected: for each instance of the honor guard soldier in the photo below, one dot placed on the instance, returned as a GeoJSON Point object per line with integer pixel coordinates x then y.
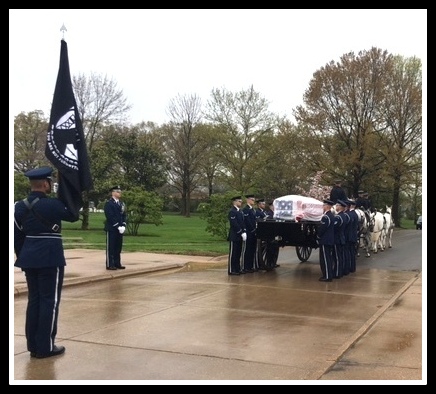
{"type": "Point", "coordinates": [339, 226]}
{"type": "Point", "coordinates": [115, 226]}
{"type": "Point", "coordinates": [236, 237]}
{"type": "Point", "coordinates": [40, 254]}
{"type": "Point", "coordinates": [353, 235]}
{"type": "Point", "coordinates": [249, 260]}
{"type": "Point", "coordinates": [326, 241]}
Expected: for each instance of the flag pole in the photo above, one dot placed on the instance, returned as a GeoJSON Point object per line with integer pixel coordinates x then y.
{"type": "Point", "coordinates": [63, 30]}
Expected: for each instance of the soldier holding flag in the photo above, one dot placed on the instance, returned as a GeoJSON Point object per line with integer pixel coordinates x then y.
{"type": "Point", "coordinates": [40, 255]}
{"type": "Point", "coordinates": [37, 219]}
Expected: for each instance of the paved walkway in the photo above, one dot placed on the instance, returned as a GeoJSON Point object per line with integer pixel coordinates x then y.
{"type": "Point", "coordinates": [203, 325]}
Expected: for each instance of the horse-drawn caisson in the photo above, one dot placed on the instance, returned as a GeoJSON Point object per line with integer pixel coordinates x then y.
{"type": "Point", "coordinates": [295, 222]}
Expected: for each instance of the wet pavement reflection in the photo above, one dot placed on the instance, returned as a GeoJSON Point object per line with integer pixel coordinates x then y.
{"type": "Point", "coordinates": [201, 324]}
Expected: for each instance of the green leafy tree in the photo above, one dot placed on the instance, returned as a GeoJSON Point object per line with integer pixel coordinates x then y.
{"type": "Point", "coordinates": [215, 214]}
{"type": "Point", "coordinates": [30, 136]}
{"type": "Point", "coordinates": [21, 186]}
{"type": "Point", "coordinates": [143, 207]}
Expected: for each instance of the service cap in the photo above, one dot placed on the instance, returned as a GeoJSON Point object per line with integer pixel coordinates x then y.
{"type": "Point", "coordinates": [341, 203]}
{"type": "Point", "coordinates": [39, 173]}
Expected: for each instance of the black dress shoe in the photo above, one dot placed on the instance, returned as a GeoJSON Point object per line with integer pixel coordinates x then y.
{"type": "Point", "coordinates": [337, 277]}
{"type": "Point", "coordinates": [250, 271]}
{"type": "Point", "coordinates": [234, 273]}
{"type": "Point", "coordinates": [322, 279]}
{"type": "Point", "coordinates": [32, 354]}
{"type": "Point", "coordinates": [242, 271]}
{"type": "Point", "coordinates": [111, 268]}
{"type": "Point", "coordinates": [121, 267]}
{"type": "Point", "coordinates": [55, 352]}
{"type": "Point", "coordinates": [276, 265]}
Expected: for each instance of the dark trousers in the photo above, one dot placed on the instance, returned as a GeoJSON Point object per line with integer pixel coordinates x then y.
{"type": "Point", "coordinates": [114, 245]}
{"type": "Point", "coordinates": [346, 264]}
{"type": "Point", "coordinates": [338, 260]}
{"type": "Point", "coordinates": [326, 260]}
{"type": "Point", "coordinates": [235, 252]}
{"type": "Point", "coordinates": [249, 260]}
{"type": "Point", "coordinates": [272, 253]}
{"type": "Point", "coordinates": [353, 252]}
{"type": "Point", "coordinates": [44, 295]}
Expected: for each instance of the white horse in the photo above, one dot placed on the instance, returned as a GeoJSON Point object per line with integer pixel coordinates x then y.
{"type": "Point", "coordinates": [363, 233]}
{"type": "Point", "coordinates": [389, 227]}
{"type": "Point", "coordinates": [376, 228]}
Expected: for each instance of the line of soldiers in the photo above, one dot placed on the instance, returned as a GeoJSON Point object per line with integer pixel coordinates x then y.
{"type": "Point", "coordinates": [338, 239]}
{"type": "Point", "coordinates": [242, 236]}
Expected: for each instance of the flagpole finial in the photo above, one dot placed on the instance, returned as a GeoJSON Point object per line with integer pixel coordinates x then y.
{"type": "Point", "coordinates": [63, 30]}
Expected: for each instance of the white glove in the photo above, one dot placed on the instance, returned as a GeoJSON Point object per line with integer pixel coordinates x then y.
{"type": "Point", "coordinates": [121, 229]}
{"type": "Point", "coordinates": [244, 236]}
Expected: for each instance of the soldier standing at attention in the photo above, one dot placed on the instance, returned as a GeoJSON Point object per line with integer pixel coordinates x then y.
{"type": "Point", "coordinates": [261, 215]}
{"type": "Point", "coordinates": [115, 225]}
{"type": "Point", "coordinates": [249, 260]}
{"type": "Point", "coordinates": [40, 254]}
{"type": "Point", "coordinates": [353, 236]}
{"type": "Point", "coordinates": [347, 252]}
{"type": "Point", "coordinates": [237, 236]}
{"type": "Point", "coordinates": [326, 240]}
{"type": "Point", "coordinates": [338, 253]}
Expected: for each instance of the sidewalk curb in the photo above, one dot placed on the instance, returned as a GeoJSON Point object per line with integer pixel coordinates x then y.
{"type": "Point", "coordinates": [21, 289]}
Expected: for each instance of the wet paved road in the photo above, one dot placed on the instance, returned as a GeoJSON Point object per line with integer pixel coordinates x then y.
{"type": "Point", "coordinates": [198, 324]}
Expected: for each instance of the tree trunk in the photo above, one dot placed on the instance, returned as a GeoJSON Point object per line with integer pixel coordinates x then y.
{"type": "Point", "coordinates": [85, 211]}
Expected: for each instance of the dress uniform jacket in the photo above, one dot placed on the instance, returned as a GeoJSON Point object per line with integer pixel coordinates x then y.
{"type": "Point", "coordinates": [36, 243]}
{"type": "Point", "coordinates": [260, 214]}
{"type": "Point", "coordinates": [115, 215]}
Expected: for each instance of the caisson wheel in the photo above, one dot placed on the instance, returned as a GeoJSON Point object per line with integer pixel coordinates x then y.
{"type": "Point", "coordinates": [303, 252]}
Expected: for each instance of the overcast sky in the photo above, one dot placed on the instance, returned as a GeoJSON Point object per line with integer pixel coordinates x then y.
{"type": "Point", "coordinates": [154, 55]}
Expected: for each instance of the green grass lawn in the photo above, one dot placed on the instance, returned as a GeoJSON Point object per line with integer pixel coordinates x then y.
{"type": "Point", "coordinates": [177, 235]}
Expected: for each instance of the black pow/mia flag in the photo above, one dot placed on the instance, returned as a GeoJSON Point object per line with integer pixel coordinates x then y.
{"type": "Point", "coordinates": [66, 145]}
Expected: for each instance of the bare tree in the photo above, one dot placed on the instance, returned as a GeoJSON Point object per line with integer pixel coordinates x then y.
{"type": "Point", "coordinates": [402, 139]}
{"type": "Point", "coordinates": [100, 103]}
{"type": "Point", "coordinates": [245, 122]}
{"type": "Point", "coordinates": [184, 146]}
{"type": "Point", "coordinates": [30, 135]}
{"type": "Point", "coordinates": [342, 112]}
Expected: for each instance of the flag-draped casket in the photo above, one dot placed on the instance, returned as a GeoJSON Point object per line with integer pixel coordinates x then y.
{"type": "Point", "coordinates": [297, 208]}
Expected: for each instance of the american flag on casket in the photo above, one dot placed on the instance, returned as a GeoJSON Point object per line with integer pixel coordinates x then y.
{"type": "Point", "coordinates": [297, 208]}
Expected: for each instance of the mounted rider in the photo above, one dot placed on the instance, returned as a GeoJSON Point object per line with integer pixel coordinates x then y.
{"type": "Point", "coordinates": [364, 203]}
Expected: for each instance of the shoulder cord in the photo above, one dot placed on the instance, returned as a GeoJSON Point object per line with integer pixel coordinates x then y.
{"type": "Point", "coordinates": [55, 227]}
